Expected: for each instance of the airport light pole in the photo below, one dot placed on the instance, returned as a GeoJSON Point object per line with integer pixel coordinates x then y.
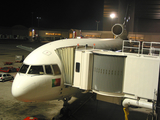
{"type": "Point", "coordinates": [32, 19]}
{"type": "Point", "coordinates": [97, 24]}
{"type": "Point", "coordinates": [38, 18]}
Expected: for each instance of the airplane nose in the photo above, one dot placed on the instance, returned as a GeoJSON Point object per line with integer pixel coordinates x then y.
{"type": "Point", "coordinates": [17, 91]}
{"type": "Point", "coordinates": [20, 89]}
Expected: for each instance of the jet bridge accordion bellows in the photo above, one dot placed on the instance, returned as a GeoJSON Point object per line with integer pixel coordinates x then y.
{"type": "Point", "coordinates": [119, 31]}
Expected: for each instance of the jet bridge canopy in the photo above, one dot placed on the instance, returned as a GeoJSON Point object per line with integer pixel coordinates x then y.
{"type": "Point", "coordinates": [66, 56]}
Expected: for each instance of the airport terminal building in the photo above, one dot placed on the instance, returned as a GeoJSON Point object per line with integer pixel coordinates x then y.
{"type": "Point", "coordinates": [46, 35]}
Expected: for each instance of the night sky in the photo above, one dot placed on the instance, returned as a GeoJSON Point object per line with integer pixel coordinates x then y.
{"type": "Point", "coordinates": [60, 14]}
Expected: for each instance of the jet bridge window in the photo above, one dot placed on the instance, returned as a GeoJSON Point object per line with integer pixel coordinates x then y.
{"type": "Point", "coordinates": [77, 67]}
{"type": "Point", "coordinates": [36, 70]}
{"type": "Point", "coordinates": [56, 70]}
{"type": "Point", "coordinates": [24, 68]}
{"type": "Point", "coordinates": [48, 69]}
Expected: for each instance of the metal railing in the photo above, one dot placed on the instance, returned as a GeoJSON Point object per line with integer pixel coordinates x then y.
{"type": "Point", "coordinates": [143, 48]}
{"type": "Point", "coordinates": [130, 46]}
{"type": "Point", "coordinates": [151, 48]}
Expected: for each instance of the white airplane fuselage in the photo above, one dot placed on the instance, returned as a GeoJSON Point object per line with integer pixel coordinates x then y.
{"type": "Point", "coordinates": [29, 87]}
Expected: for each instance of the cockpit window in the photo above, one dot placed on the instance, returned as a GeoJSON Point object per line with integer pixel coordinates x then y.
{"type": "Point", "coordinates": [48, 69]}
{"type": "Point", "coordinates": [24, 68]}
{"type": "Point", "coordinates": [36, 70]}
{"type": "Point", "coordinates": [56, 70]}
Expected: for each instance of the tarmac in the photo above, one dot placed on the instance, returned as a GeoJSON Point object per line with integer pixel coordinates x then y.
{"type": "Point", "coordinates": [83, 106]}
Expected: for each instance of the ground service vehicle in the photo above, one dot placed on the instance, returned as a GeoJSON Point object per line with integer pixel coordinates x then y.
{"type": "Point", "coordinates": [5, 77]}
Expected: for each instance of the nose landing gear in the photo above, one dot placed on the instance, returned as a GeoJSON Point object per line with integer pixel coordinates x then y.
{"type": "Point", "coordinates": [65, 112]}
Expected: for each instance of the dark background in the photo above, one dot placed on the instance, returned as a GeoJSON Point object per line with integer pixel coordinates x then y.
{"type": "Point", "coordinates": [59, 14]}
{"type": "Point", "coordinates": [82, 14]}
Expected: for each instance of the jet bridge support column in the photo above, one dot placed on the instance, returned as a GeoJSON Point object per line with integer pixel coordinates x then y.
{"type": "Point", "coordinates": [126, 112]}
{"type": "Point", "coordinates": [158, 101]}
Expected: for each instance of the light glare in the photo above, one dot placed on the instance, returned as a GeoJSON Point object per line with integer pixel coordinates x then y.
{"type": "Point", "coordinates": [112, 15]}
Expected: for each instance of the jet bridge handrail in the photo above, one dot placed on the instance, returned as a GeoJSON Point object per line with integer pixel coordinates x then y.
{"type": "Point", "coordinates": [131, 46]}
{"type": "Point", "coordinates": [153, 48]}
{"type": "Point", "coordinates": [143, 48]}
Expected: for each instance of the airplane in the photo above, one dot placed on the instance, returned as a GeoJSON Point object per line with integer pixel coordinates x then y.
{"type": "Point", "coordinates": [40, 76]}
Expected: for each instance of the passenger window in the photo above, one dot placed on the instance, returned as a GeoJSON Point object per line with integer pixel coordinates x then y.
{"type": "Point", "coordinates": [24, 68]}
{"type": "Point", "coordinates": [77, 67]}
{"type": "Point", "coordinates": [36, 70]}
{"type": "Point", "coordinates": [4, 75]}
{"type": "Point", "coordinates": [48, 69]}
{"type": "Point", "coordinates": [56, 70]}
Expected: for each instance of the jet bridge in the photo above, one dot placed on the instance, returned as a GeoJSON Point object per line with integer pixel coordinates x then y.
{"type": "Point", "coordinates": [118, 73]}
{"type": "Point", "coordinates": [127, 75]}
{"type": "Point", "coordinates": [132, 73]}
{"type": "Point", "coordinates": [130, 77]}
